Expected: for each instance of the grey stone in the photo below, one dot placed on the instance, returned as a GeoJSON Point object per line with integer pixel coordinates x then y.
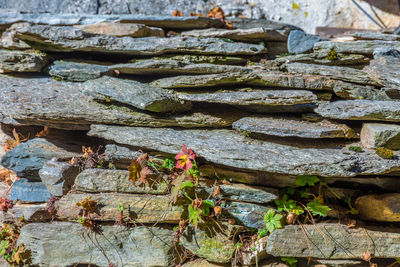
{"type": "Point", "coordinates": [76, 71]}
{"type": "Point", "coordinates": [209, 80]}
{"type": "Point", "coordinates": [252, 35]}
{"type": "Point", "coordinates": [299, 42]}
{"type": "Point", "coordinates": [375, 36]}
{"type": "Point", "coordinates": [135, 94]}
{"type": "Point", "coordinates": [374, 135]}
{"type": "Point", "coordinates": [66, 244]}
{"type": "Point", "coordinates": [28, 158]}
{"type": "Point", "coordinates": [353, 91]}
{"type": "Point", "coordinates": [249, 23]}
{"type": "Point", "coordinates": [342, 59]}
{"type": "Point", "coordinates": [386, 52]}
{"type": "Point", "coordinates": [63, 105]}
{"type": "Point", "coordinates": [168, 22]}
{"type": "Point", "coordinates": [266, 101]}
{"type": "Point", "coordinates": [198, 59]}
{"type": "Point", "coordinates": [216, 146]}
{"type": "Point", "coordinates": [245, 193]}
{"type": "Point", "coordinates": [173, 67]}
{"type": "Point", "coordinates": [385, 70]}
{"type": "Point", "coordinates": [58, 176]}
{"type": "Point", "coordinates": [69, 39]}
{"type": "Point", "coordinates": [120, 156]}
{"type": "Point", "coordinates": [26, 191]}
{"type": "Point", "coordinates": [364, 47]}
{"type": "Point", "coordinates": [122, 29]}
{"type": "Point", "coordinates": [100, 180]}
{"type": "Point", "coordinates": [8, 40]}
{"type": "Point", "coordinates": [247, 214]}
{"type": "Point", "coordinates": [31, 212]}
{"type": "Point", "coordinates": [292, 127]}
{"type": "Point", "coordinates": [361, 110]}
{"type": "Point", "coordinates": [334, 72]}
{"type": "Point", "coordinates": [138, 208]}
{"type": "Point", "coordinates": [338, 263]}
{"type": "Point", "coordinates": [210, 242]}
{"type": "Point", "coordinates": [340, 242]}
{"type": "Point", "coordinates": [19, 61]}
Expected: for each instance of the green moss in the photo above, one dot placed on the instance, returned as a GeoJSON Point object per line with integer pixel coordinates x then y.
{"type": "Point", "coordinates": [332, 55]}
{"type": "Point", "coordinates": [254, 49]}
{"type": "Point", "coordinates": [56, 78]}
{"type": "Point", "coordinates": [355, 148]}
{"type": "Point", "coordinates": [385, 153]}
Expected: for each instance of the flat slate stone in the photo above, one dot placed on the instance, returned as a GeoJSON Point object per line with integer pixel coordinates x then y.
{"type": "Point", "coordinates": [100, 180]}
{"type": "Point", "coordinates": [220, 60]}
{"type": "Point", "coordinates": [19, 61]}
{"type": "Point", "coordinates": [31, 212]}
{"type": "Point", "coordinates": [259, 100]}
{"type": "Point", "coordinates": [135, 94]}
{"type": "Point", "coordinates": [173, 67]}
{"type": "Point", "coordinates": [379, 208]}
{"type": "Point", "coordinates": [216, 146]}
{"type": "Point", "coordinates": [168, 22]}
{"type": "Point", "coordinates": [374, 135]}
{"type": "Point", "coordinates": [69, 39]}
{"type": "Point", "coordinates": [300, 42]}
{"type": "Point", "coordinates": [122, 29]}
{"type": "Point", "coordinates": [28, 158]}
{"type": "Point", "coordinates": [340, 242]}
{"type": "Point", "coordinates": [385, 70]}
{"type": "Point", "coordinates": [58, 176]}
{"type": "Point", "coordinates": [68, 244]}
{"type": "Point", "coordinates": [252, 35]}
{"type": "Point", "coordinates": [76, 71]}
{"type": "Point", "coordinates": [334, 72]}
{"type": "Point", "coordinates": [26, 191]}
{"type": "Point", "coordinates": [209, 80]}
{"type": "Point", "coordinates": [138, 208]}
{"type": "Point", "coordinates": [247, 214]}
{"type": "Point", "coordinates": [375, 36]}
{"type": "Point", "coordinates": [342, 59]}
{"type": "Point", "coordinates": [292, 127]}
{"type": "Point", "coordinates": [63, 105]}
{"type": "Point", "coordinates": [364, 47]}
{"type": "Point", "coordinates": [360, 110]}
{"type": "Point", "coordinates": [8, 40]}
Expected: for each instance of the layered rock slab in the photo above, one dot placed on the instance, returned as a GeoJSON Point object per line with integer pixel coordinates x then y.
{"type": "Point", "coordinates": [292, 127]}
{"type": "Point", "coordinates": [340, 242]}
{"type": "Point", "coordinates": [122, 29]}
{"type": "Point", "coordinates": [76, 71]}
{"type": "Point", "coordinates": [385, 70]}
{"type": "Point", "coordinates": [20, 61]}
{"type": "Point", "coordinates": [365, 47]}
{"type": "Point", "coordinates": [380, 208]}
{"type": "Point", "coordinates": [137, 208]}
{"type": "Point", "coordinates": [360, 110]}
{"type": "Point", "coordinates": [374, 135]}
{"type": "Point", "coordinates": [68, 39]}
{"type": "Point", "coordinates": [67, 244]}
{"type": "Point", "coordinates": [63, 105]}
{"type": "Point", "coordinates": [216, 146]}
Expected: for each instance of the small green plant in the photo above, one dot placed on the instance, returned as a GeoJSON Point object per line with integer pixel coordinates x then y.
{"type": "Point", "coordinates": [290, 260]}
{"type": "Point", "coordinates": [385, 153]}
{"type": "Point", "coordinates": [304, 180]}
{"type": "Point", "coordinates": [246, 133]}
{"type": "Point", "coordinates": [355, 148]}
{"type": "Point", "coordinates": [317, 208]}
{"type": "Point", "coordinates": [272, 220]}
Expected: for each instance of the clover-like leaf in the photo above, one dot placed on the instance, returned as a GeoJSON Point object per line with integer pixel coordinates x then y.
{"type": "Point", "coordinates": [303, 180]}
{"type": "Point", "coordinates": [317, 208]}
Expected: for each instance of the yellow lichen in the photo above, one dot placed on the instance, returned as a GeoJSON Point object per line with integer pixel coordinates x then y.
{"type": "Point", "coordinates": [332, 55]}
{"type": "Point", "coordinates": [385, 153]}
{"type": "Point", "coordinates": [295, 6]}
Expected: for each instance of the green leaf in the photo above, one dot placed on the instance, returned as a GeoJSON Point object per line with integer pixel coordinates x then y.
{"type": "Point", "coordinates": [285, 204]}
{"type": "Point", "coordinates": [397, 260]}
{"type": "Point", "coordinates": [297, 210]}
{"type": "Point", "coordinates": [120, 207]}
{"type": "Point", "coordinates": [168, 164]}
{"type": "Point", "coordinates": [261, 233]}
{"type": "Point", "coordinates": [238, 245]}
{"type": "Point", "coordinates": [317, 208]}
{"type": "Point", "coordinates": [290, 260]}
{"type": "Point", "coordinates": [186, 184]}
{"type": "Point", "coordinates": [305, 193]}
{"type": "Point", "coordinates": [194, 215]}
{"type": "Point", "coordinates": [272, 220]}
{"type": "Point", "coordinates": [207, 205]}
{"type": "Point", "coordinates": [303, 180]}
{"type": "Point", "coordinates": [3, 247]}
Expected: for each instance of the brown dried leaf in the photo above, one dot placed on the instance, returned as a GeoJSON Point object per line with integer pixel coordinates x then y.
{"type": "Point", "coordinates": [217, 191]}
{"type": "Point", "coordinates": [216, 12]}
{"type": "Point", "coordinates": [43, 132]}
{"type": "Point", "coordinates": [177, 13]}
{"type": "Point", "coordinates": [194, 14]}
{"type": "Point", "coordinates": [352, 224]}
{"type": "Point", "coordinates": [176, 183]}
{"type": "Point", "coordinates": [217, 210]}
{"type": "Point", "coordinates": [88, 205]}
{"type": "Point", "coordinates": [366, 256]}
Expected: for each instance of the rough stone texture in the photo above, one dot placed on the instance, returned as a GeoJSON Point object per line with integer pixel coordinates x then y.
{"type": "Point", "coordinates": [28, 158]}
{"type": "Point", "coordinates": [210, 80]}
{"type": "Point", "coordinates": [76, 71]}
{"type": "Point", "coordinates": [100, 180]}
{"type": "Point", "coordinates": [216, 146]}
{"type": "Point", "coordinates": [245, 193]}
{"type": "Point", "coordinates": [26, 191]}
{"type": "Point", "coordinates": [173, 67]}
{"type": "Point", "coordinates": [340, 242]}
{"type": "Point", "coordinates": [203, 263]}
{"type": "Point", "coordinates": [342, 59]}
{"type": "Point", "coordinates": [207, 241]}
{"type": "Point", "coordinates": [258, 100]}
{"type": "Point", "coordinates": [253, 35]}
{"type": "Point", "coordinates": [68, 39]}
{"type": "Point", "coordinates": [381, 208]}
{"type": "Point", "coordinates": [122, 29]}
{"type": "Point", "coordinates": [374, 135]}
{"type": "Point", "coordinates": [247, 214]}
{"type": "Point", "coordinates": [375, 36]}
{"type": "Point", "coordinates": [353, 91]}
{"type": "Point", "coordinates": [67, 244]}
{"type": "Point", "coordinates": [291, 127]}
{"type": "Point", "coordinates": [360, 110]}
{"type": "Point", "coordinates": [137, 208]}
{"type": "Point", "coordinates": [220, 60]}
{"type": "Point", "coordinates": [385, 70]}
{"type": "Point", "coordinates": [365, 47]}
{"type": "Point", "coordinates": [31, 212]}
{"type": "Point", "coordinates": [135, 94]}
{"type": "Point", "coordinates": [63, 105]}
{"type": "Point", "coordinates": [334, 72]}
{"type": "Point", "coordinates": [19, 61]}
{"type": "Point", "coordinates": [8, 40]}
{"type": "Point", "coordinates": [299, 42]}
{"type": "Point", "coordinates": [58, 176]}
